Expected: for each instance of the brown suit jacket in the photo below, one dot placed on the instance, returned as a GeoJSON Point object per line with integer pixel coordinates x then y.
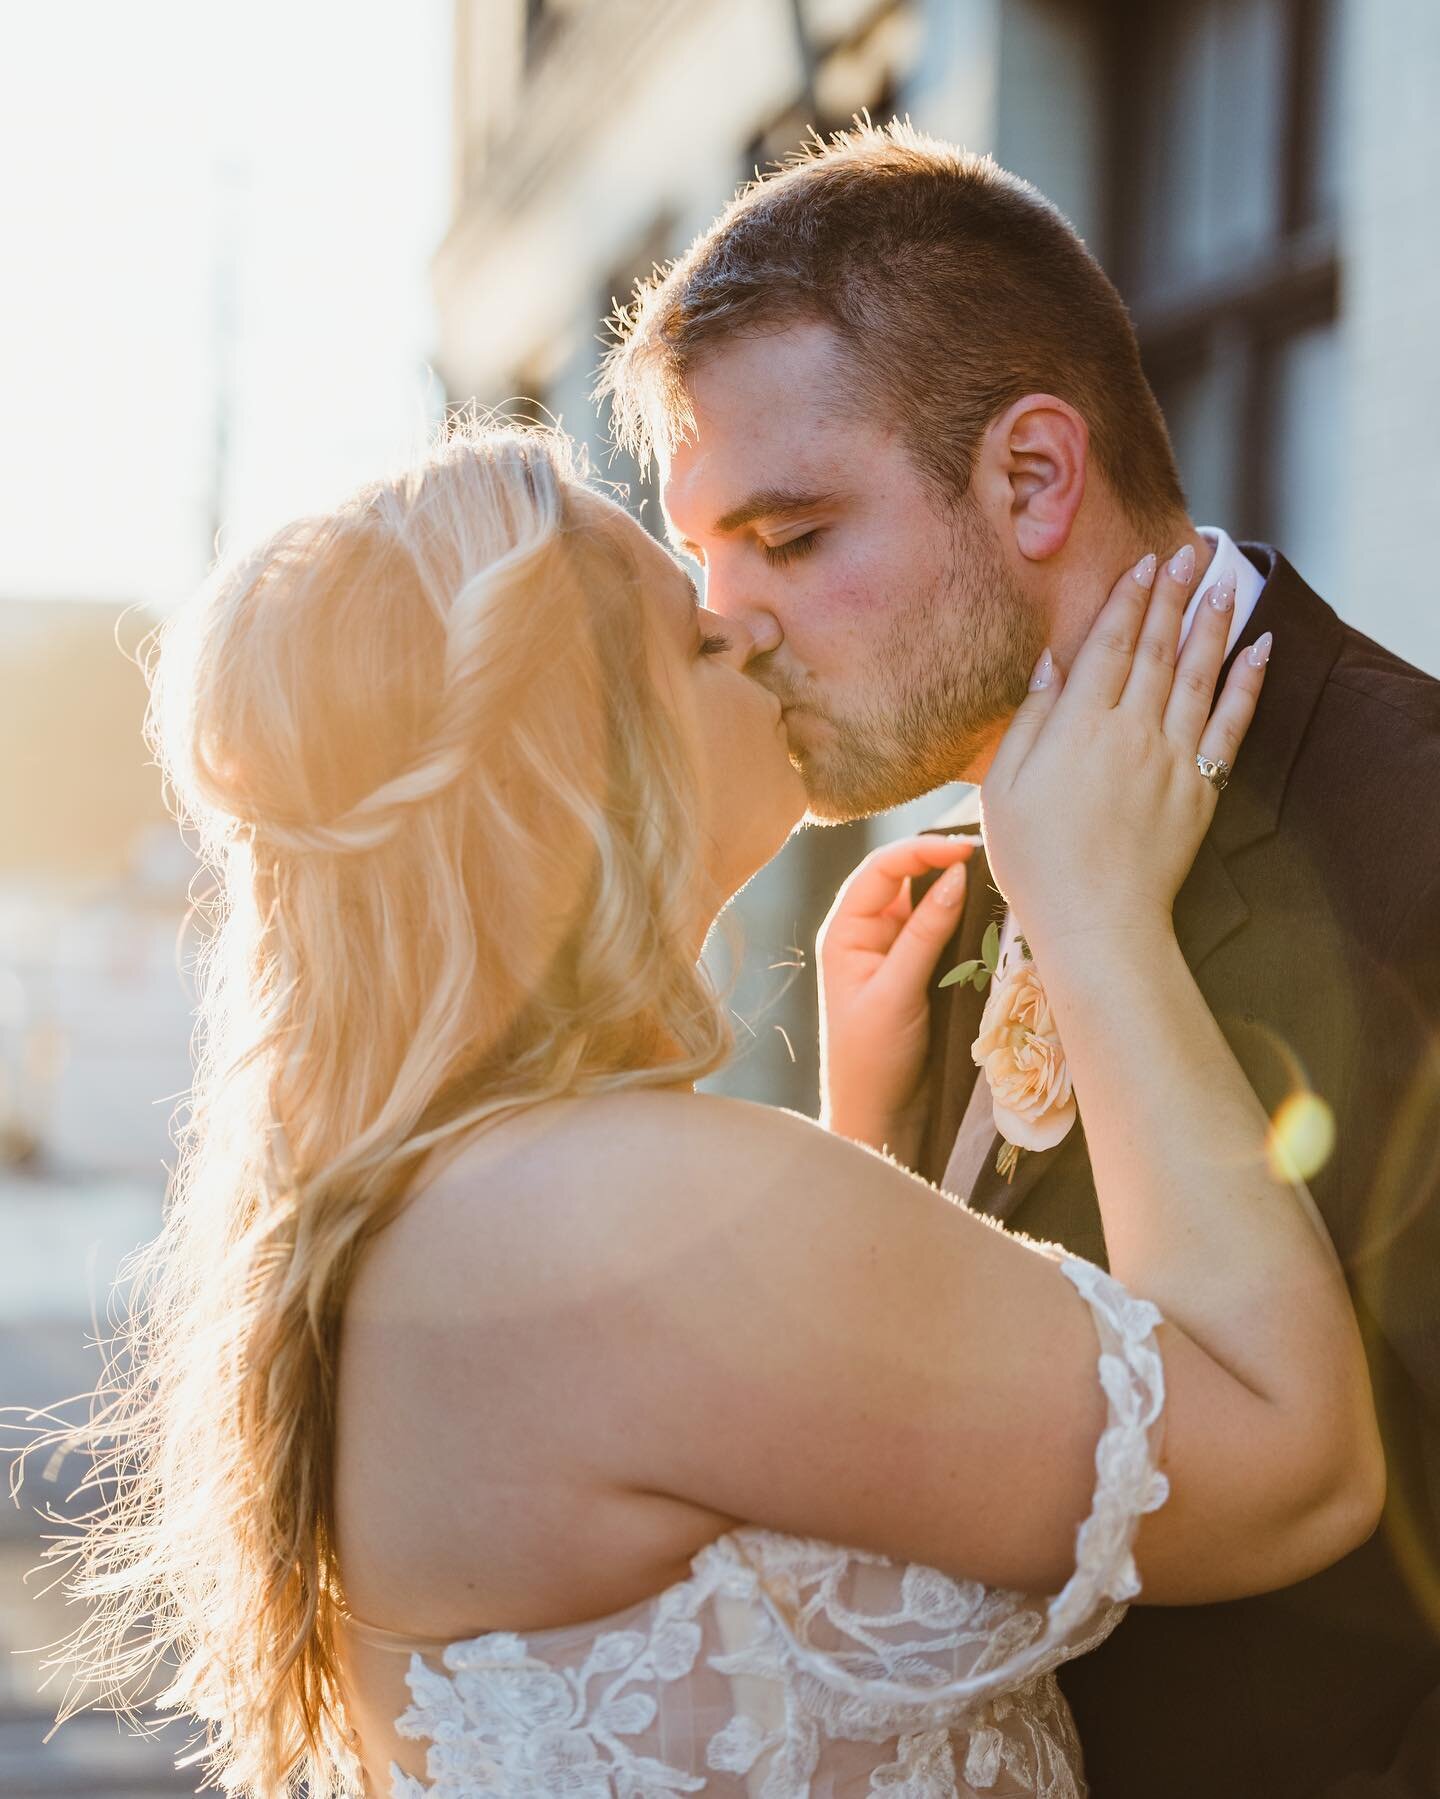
{"type": "Point", "coordinates": [1311, 920]}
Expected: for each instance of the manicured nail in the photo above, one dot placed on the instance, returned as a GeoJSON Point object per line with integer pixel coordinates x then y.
{"type": "Point", "coordinates": [950, 888]}
{"type": "Point", "coordinates": [1259, 652]}
{"type": "Point", "coordinates": [1181, 566]}
{"type": "Point", "coordinates": [1222, 595]}
{"type": "Point", "coordinates": [1044, 673]}
{"type": "Point", "coordinates": [1143, 573]}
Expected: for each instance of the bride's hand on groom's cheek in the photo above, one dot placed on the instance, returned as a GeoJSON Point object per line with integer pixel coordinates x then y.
{"type": "Point", "coordinates": [876, 952]}
{"type": "Point", "coordinates": [1095, 806]}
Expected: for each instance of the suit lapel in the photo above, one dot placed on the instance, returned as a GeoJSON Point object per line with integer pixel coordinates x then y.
{"type": "Point", "coordinates": [1208, 908]}
{"type": "Point", "coordinates": [1308, 639]}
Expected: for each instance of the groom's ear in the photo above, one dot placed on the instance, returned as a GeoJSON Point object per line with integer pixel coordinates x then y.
{"type": "Point", "coordinates": [1032, 472]}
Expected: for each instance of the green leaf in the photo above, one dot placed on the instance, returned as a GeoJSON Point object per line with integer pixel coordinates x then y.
{"type": "Point", "coordinates": [990, 948]}
{"type": "Point", "coordinates": [1025, 949]}
{"type": "Point", "coordinates": [965, 972]}
{"type": "Point", "coordinates": [982, 979]}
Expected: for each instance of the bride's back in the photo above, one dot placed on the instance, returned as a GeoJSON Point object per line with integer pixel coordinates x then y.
{"type": "Point", "coordinates": [471, 1483]}
{"type": "Point", "coordinates": [481, 1429]}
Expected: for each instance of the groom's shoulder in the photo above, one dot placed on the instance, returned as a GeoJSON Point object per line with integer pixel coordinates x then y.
{"type": "Point", "coordinates": [1384, 689]}
{"type": "Point", "coordinates": [1381, 715]}
{"type": "Point", "coordinates": [1367, 764]}
{"type": "Point", "coordinates": [1345, 684]}
{"type": "Point", "coordinates": [1362, 679]}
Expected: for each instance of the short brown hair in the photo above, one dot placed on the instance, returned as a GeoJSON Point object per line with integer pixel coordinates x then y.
{"type": "Point", "coordinates": [955, 288]}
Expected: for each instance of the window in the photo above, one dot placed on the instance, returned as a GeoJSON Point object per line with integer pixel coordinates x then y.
{"type": "Point", "coordinates": [860, 70]}
{"type": "Point", "coordinates": [1226, 173]}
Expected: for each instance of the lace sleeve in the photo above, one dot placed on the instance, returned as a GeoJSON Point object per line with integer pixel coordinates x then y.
{"type": "Point", "coordinates": [949, 1644]}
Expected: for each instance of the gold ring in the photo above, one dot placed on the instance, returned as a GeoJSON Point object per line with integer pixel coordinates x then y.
{"type": "Point", "coordinates": [1216, 773]}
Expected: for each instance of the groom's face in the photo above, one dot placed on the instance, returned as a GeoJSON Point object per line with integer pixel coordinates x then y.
{"type": "Point", "coordinates": [888, 623]}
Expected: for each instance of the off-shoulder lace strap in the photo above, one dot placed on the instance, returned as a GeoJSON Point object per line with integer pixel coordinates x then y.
{"type": "Point", "coordinates": [1127, 1486]}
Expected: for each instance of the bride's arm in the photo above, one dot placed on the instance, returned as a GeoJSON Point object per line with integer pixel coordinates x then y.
{"type": "Point", "coordinates": [1195, 1217]}
{"type": "Point", "coordinates": [775, 1325]}
{"type": "Point", "coordinates": [1196, 1222]}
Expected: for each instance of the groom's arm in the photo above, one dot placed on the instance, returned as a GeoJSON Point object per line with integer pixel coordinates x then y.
{"type": "Point", "coordinates": [1388, 1213]}
{"type": "Point", "coordinates": [1384, 1210]}
{"type": "Point", "coordinates": [1415, 1771]}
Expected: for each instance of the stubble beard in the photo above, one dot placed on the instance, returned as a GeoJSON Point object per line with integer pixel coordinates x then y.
{"type": "Point", "coordinates": [947, 676]}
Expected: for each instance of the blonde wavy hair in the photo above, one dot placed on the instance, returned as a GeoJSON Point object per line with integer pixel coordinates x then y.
{"type": "Point", "coordinates": [449, 822]}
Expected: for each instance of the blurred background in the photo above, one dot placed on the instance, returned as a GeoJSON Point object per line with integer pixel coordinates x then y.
{"type": "Point", "coordinates": [255, 252]}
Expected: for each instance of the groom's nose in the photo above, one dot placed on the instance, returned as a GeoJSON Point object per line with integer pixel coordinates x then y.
{"type": "Point", "coordinates": [728, 599]}
{"type": "Point", "coordinates": [742, 649]}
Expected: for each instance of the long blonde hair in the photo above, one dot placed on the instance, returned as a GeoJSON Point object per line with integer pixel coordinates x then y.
{"type": "Point", "coordinates": [450, 825]}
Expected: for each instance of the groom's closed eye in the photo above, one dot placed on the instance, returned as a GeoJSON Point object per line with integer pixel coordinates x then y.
{"type": "Point", "coordinates": [791, 549]}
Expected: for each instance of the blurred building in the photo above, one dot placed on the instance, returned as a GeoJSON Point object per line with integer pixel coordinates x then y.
{"type": "Point", "coordinates": [1254, 175]}
{"type": "Point", "coordinates": [94, 1018]}
{"type": "Point", "coordinates": [95, 1021]}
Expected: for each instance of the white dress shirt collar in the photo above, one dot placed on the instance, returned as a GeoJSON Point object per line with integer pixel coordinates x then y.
{"type": "Point", "coordinates": [1249, 582]}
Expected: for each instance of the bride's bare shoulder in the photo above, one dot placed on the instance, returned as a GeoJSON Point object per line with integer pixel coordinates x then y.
{"type": "Point", "coordinates": [638, 1129]}
{"type": "Point", "coordinates": [628, 1150]}
{"type": "Point", "coordinates": [572, 1175]}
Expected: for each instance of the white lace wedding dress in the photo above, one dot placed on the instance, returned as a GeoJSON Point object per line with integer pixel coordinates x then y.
{"type": "Point", "coordinates": [786, 1667]}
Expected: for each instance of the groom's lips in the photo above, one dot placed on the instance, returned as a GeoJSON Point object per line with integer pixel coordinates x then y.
{"type": "Point", "coordinates": [794, 723]}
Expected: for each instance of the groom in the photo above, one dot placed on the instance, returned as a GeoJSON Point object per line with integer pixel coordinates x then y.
{"type": "Point", "coordinates": [900, 416]}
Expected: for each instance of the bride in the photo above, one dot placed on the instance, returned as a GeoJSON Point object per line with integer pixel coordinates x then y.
{"type": "Point", "coordinates": [493, 1407]}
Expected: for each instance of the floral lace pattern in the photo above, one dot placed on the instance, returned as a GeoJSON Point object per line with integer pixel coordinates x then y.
{"type": "Point", "coordinates": [784, 1660]}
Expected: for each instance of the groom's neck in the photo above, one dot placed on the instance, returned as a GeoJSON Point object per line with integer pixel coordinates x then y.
{"type": "Point", "coordinates": [1091, 568]}
{"type": "Point", "coordinates": [1093, 562]}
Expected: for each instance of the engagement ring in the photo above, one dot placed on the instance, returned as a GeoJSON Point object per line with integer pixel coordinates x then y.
{"type": "Point", "coordinates": [1216, 773]}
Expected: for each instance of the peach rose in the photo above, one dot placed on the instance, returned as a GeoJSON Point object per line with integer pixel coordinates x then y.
{"type": "Point", "coordinates": [1020, 1052]}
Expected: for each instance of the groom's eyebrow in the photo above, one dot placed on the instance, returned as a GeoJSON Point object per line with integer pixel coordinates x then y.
{"type": "Point", "coordinates": [765, 502]}
{"type": "Point", "coordinates": [769, 502]}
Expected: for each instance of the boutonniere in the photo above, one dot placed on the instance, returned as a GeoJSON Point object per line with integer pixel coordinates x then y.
{"type": "Point", "coordinates": [1019, 1051]}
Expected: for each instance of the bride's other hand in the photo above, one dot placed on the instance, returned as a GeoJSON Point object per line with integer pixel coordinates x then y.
{"type": "Point", "coordinates": [876, 952]}
{"type": "Point", "coordinates": [1094, 807]}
